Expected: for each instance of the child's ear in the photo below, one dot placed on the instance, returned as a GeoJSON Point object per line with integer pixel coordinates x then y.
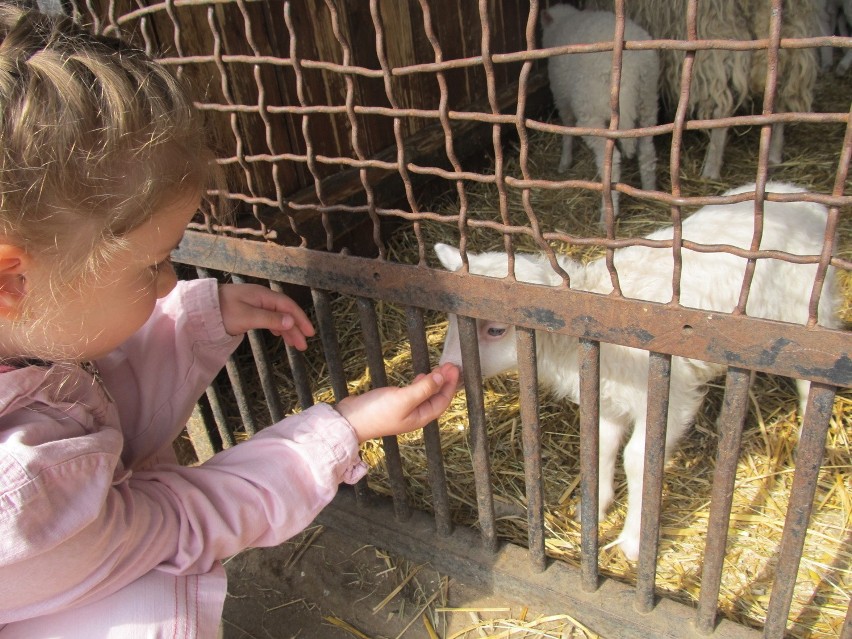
{"type": "Point", "coordinates": [13, 264]}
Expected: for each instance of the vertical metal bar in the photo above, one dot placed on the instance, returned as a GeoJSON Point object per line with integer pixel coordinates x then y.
{"type": "Point", "coordinates": [330, 345]}
{"type": "Point", "coordinates": [200, 427]}
{"type": "Point", "coordinates": [264, 366]}
{"type": "Point", "coordinates": [235, 375]}
{"type": "Point", "coordinates": [590, 393]}
{"type": "Point", "coordinates": [846, 631]}
{"type": "Point", "coordinates": [301, 379]}
{"type": "Point", "coordinates": [336, 373]}
{"type": "Point", "coordinates": [225, 433]}
{"type": "Point", "coordinates": [376, 364]}
{"type": "Point", "coordinates": [770, 90]}
{"type": "Point", "coordinates": [431, 434]}
{"type": "Point", "coordinates": [472, 373]}
{"type": "Point", "coordinates": [734, 410]}
{"type": "Point", "coordinates": [659, 376]}
{"type": "Point", "coordinates": [528, 378]}
{"type": "Point", "coordinates": [610, 200]}
{"type": "Point", "coordinates": [809, 455]}
{"type": "Point", "coordinates": [677, 141]}
{"type": "Point", "coordinates": [238, 385]}
{"type": "Point", "coordinates": [499, 162]}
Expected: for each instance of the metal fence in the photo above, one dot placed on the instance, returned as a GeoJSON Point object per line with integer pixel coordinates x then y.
{"type": "Point", "coordinates": [338, 125]}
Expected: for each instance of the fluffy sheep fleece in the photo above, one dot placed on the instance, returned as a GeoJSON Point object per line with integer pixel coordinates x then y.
{"type": "Point", "coordinates": [580, 83]}
{"type": "Point", "coordinates": [780, 291]}
{"type": "Point", "coordinates": [835, 18]}
{"type": "Point", "coordinates": [724, 81]}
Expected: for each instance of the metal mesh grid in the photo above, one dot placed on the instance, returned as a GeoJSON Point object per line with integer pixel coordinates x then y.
{"type": "Point", "coordinates": [264, 188]}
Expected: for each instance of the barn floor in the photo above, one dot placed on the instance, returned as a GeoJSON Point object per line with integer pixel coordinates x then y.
{"type": "Point", "coordinates": [323, 585]}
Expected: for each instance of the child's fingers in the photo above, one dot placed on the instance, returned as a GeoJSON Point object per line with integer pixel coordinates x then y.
{"type": "Point", "coordinates": [432, 393]}
{"type": "Point", "coordinates": [445, 393]}
{"type": "Point", "coordinates": [266, 299]}
{"type": "Point", "coordinates": [287, 308]}
{"type": "Point", "coordinates": [284, 326]}
{"type": "Point", "coordinates": [292, 336]}
{"type": "Point", "coordinates": [295, 338]}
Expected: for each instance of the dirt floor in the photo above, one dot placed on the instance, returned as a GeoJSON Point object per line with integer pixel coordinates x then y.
{"type": "Point", "coordinates": [323, 585]}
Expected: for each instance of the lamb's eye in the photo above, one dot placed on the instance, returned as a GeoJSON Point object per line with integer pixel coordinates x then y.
{"type": "Point", "coordinates": [496, 331]}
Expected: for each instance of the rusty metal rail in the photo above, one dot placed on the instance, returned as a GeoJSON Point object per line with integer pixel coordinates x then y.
{"type": "Point", "coordinates": [746, 342]}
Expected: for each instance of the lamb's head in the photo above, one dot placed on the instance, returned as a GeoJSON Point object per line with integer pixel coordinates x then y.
{"type": "Point", "coordinates": [496, 340]}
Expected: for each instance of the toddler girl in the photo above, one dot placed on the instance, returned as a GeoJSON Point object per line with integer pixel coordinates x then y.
{"type": "Point", "coordinates": [103, 354]}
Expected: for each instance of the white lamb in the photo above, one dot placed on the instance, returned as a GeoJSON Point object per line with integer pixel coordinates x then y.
{"type": "Point", "coordinates": [580, 83]}
{"type": "Point", "coordinates": [711, 281]}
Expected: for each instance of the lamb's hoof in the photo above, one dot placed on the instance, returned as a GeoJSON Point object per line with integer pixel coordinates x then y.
{"type": "Point", "coordinates": [630, 547]}
{"type": "Point", "coordinates": [578, 513]}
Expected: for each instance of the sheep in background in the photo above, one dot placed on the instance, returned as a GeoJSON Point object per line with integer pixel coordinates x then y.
{"type": "Point", "coordinates": [580, 83]}
{"type": "Point", "coordinates": [846, 20]}
{"type": "Point", "coordinates": [725, 80]}
{"type": "Point", "coordinates": [835, 18]}
{"type": "Point", "coordinates": [711, 281]}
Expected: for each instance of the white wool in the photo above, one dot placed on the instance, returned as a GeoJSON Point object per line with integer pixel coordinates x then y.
{"type": "Point", "coordinates": [580, 83]}
{"type": "Point", "coordinates": [835, 18]}
{"type": "Point", "coordinates": [711, 281]}
{"type": "Point", "coordinates": [723, 81]}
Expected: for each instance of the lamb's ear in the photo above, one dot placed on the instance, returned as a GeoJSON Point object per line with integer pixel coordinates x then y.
{"type": "Point", "coordinates": [449, 256]}
{"type": "Point", "coordinates": [546, 18]}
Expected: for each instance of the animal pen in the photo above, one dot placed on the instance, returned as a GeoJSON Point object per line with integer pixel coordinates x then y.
{"type": "Point", "coordinates": [358, 134]}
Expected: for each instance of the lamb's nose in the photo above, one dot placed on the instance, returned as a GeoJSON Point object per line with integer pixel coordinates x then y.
{"type": "Point", "coordinates": [458, 365]}
{"type": "Point", "coordinates": [460, 384]}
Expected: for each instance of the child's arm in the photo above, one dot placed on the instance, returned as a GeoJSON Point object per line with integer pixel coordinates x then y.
{"type": "Point", "coordinates": [97, 534]}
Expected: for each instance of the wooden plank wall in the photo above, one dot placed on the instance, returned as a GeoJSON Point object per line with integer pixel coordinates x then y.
{"type": "Point", "coordinates": [174, 29]}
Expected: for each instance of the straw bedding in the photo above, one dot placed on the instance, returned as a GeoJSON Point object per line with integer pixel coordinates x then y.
{"type": "Point", "coordinates": [766, 463]}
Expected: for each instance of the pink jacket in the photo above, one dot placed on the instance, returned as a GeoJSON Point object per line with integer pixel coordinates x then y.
{"type": "Point", "coordinates": [91, 498]}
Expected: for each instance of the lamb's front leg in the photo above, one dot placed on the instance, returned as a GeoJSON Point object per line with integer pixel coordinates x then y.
{"type": "Point", "coordinates": [598, 147]}
{"type": "Point", "coordinates": [647, 163]}
{"type": "Point", "coordinates": [634, 467]}
{"type": "Point", "coordinates": [682, 409]}
{"type": "Point", "coordinates": [611, 433]}
{"type": "Point", "coordinates": [776, 145]}
{"type": "Point", "coordinates": [609, 441]}
{"type": "Point", "coordinates": [567, 157]}
{"type": "Point", "coordinates": [713, 158]}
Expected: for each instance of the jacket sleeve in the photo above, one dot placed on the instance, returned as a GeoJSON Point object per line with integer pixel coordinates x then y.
{"type": "Point", "coordinates": [157, 376]}
{"type": "Point", "coordinates": [81, 516]}
{"type": "Point", "coordinates": [72, 536]}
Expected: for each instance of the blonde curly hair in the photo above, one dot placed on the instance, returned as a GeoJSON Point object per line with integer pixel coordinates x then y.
{"type": "Point", "coordinates": [95, 137]}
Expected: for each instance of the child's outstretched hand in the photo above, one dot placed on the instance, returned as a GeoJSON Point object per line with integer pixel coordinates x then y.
{"type": "Point", "coordinates": [251, 306]}
{"type": "Point", "coordinates": [393, 410]}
